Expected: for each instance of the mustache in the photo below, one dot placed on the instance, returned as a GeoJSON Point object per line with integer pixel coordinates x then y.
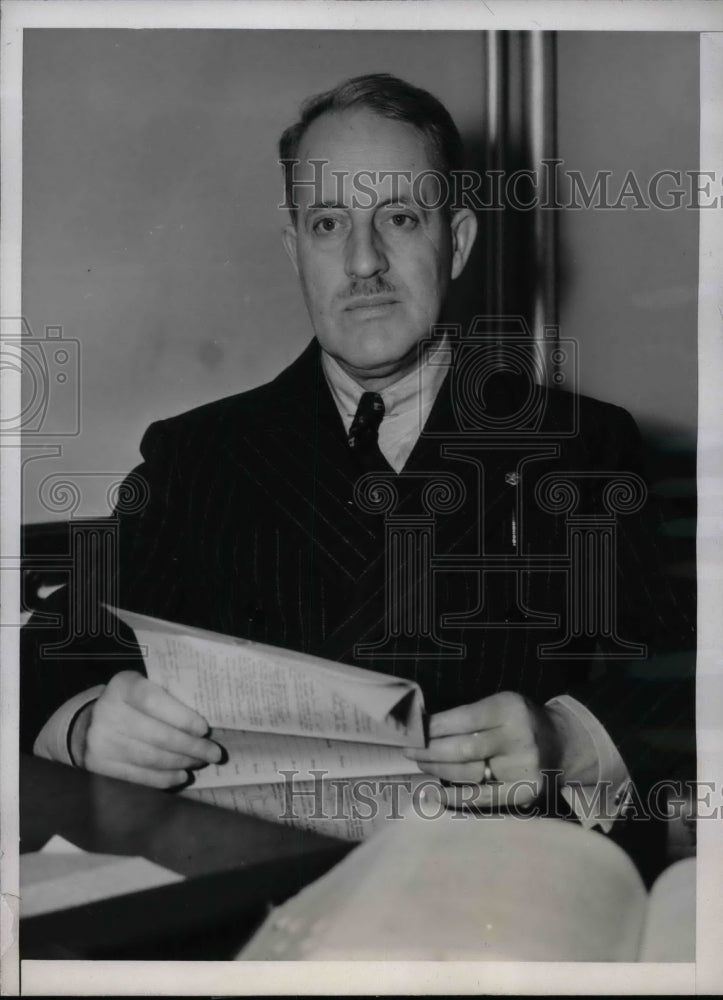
{"type": "Point", "coordinates": [367, 288]}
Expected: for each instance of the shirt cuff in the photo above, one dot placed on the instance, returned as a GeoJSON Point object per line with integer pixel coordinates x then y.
{"type": "Point", "coordinates": [595, 778]}
{"type": "Point", "coordinates": [53, 740]}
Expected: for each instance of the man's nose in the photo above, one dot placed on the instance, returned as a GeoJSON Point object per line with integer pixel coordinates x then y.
{"type": "Point", "coordinates": [365, 255]}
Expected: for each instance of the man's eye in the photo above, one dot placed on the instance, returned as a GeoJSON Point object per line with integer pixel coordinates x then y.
{"type": "Point", "coordinates": [325, 225]}
{"type": "Point", "coordinates": [401, 220]}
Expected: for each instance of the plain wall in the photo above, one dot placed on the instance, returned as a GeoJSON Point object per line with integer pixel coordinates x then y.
{"type": "Point", "coordinates": [151, 227]}
{"type": "Point", "coordinates": [629, 279]}
{"type": "Point", "coordinates": [151, 231]}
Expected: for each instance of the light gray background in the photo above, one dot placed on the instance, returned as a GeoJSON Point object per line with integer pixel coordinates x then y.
{"type": "Point", "coordinates": [151, 232]}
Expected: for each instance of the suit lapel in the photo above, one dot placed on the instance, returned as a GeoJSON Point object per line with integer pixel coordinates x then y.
{"type": "Point", "coordinates": [466, 530]}
{"type": "Point", "coordinates": [482, 524]}
{"type": "Point", "coordinates": [297, 454]}
{"type": "Point", "coordinates": [481, 465]}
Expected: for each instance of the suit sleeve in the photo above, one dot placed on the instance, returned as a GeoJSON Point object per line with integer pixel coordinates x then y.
{"type": "Point", "coordinates": [72, 642]}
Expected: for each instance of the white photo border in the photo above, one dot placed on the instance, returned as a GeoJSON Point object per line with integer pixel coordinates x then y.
{"type": "Point", "coordinates": [155, 978]}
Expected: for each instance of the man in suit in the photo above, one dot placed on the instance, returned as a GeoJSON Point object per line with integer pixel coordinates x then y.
{"type": "Point", "coordinates": [259, 520]}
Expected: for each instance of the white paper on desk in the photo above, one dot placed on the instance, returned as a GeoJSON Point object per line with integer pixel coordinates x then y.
{"type": "Point", "coordinates": [238, 684]}
{"type": "Point", "coordinates": [255, 758]}
{"type": "Point", "coordinates": [503, 888]}
{"type": "Point", "coordinates": [62, 875]}
{"type": "Point", "coordinates": [59, 845]}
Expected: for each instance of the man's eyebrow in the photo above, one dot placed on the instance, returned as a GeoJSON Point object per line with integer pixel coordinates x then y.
{"type": "Point", "coordinates": [406, 201]}
{"type": "Point", "coordinates": [329, 204]}
{"type": "Point", "coordinates": [403, 199]}
{"type": "Point", "coordinates": [315, 205]}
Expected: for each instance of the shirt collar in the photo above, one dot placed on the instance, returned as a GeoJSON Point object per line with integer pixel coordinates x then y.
{"type": "Point", "coordinates": [415, 392]}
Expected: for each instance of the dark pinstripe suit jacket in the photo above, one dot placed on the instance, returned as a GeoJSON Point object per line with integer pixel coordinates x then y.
{"type": "Point", "coordinates": [252, 529]}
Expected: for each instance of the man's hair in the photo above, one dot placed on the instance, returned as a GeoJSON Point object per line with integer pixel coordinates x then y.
{"type": "Point", "coordinates": [389, 97]}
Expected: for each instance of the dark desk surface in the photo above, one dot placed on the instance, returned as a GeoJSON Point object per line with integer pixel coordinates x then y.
{"type": "Point", "coordinates": [235, 866]}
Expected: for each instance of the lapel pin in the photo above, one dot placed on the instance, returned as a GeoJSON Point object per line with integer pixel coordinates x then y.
{"type": "Point", "coordinates": [513, 479]}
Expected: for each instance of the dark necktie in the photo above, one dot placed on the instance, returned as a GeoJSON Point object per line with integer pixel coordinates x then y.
{"type": "Point", "coordinates": [364, 433]}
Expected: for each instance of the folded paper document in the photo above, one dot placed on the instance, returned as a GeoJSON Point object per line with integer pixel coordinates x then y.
{"type": "Point", "coordinates": [282, 717]}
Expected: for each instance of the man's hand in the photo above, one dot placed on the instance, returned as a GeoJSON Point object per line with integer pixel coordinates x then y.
{"type": "Point", "coordinates": [141, 733]}
{"type": "Point", "coordinates": [515, 737]}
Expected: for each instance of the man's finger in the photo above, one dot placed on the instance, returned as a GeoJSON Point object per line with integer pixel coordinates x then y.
{"type": "Point", "coordinates": [471, 772]}
{"type": "Point", "coordinates": [137, 726]}
{"type": "Point", "coordinates": [147, 755]}
{"type": "Point", "coordinates": [472, 718]}
{"type": "Point", "coordinates": [152, 700]}
{"type": "Point", "coordinates": [140, 775]}
{"type": "Point", "coordinates": [469, 747]}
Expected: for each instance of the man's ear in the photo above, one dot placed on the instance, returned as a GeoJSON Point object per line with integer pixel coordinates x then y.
{"type": "Point", "coordinates": [464, 232]}
{"type": "Point", "coordinates": [289, 236]}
